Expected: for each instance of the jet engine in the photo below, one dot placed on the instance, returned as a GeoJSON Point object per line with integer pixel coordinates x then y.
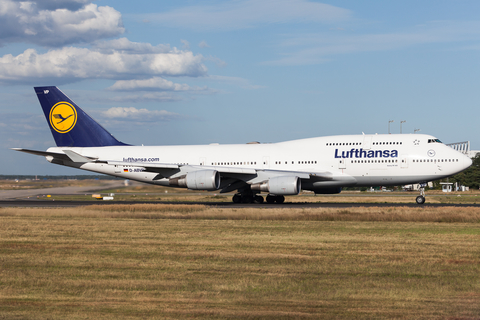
{"type": "Point", "coordinates": [198, 180]}
{"type": "Point", "coordinates": [287, 185]}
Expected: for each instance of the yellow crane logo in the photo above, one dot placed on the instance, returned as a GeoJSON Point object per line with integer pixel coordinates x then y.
{"type": "Point", "coordinates": [63, 117]}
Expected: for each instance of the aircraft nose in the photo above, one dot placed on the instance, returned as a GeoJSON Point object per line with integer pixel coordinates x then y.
{"type": "Point", "coordinates": [467, 162]}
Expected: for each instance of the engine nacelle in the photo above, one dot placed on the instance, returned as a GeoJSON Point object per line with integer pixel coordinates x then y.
{"type": "Point", "coordinates": [287, 185]}
{"type": "Point", "coordinates": [198, 180]}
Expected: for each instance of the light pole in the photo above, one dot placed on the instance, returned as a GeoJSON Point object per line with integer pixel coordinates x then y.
{"type": "Point", "coordinates": [402, 121]}
{"type": "Point", "coordinates": [389, 121]}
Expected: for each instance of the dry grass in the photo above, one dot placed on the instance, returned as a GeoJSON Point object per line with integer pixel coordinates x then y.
{"type": "Point", "coordinates": [171, 211]}
{"type": "Point", "coordinates": [183, 195]}
{"type": "Point", "coordinates": [177, 262]}
{"type": "Point", "coordinates": [38, 184]}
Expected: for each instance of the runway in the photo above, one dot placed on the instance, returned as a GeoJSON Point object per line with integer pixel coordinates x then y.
{"type": "Point", "coordinates": [76, 190]}
{"type": "Point", "coordinates": [65, 204]}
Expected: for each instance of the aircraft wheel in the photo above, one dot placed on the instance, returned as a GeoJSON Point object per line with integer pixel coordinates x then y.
{"type": "Point", "coordinates": [247, 199]}
{"type": "Point", "coordinates": [258, 199]}
{"type": "Point", "coordinates": [279, 199]}
{"type": "Point", "coordinates": [270, 199]}
{"type": "Point", "coordinates": [237, 198]}
{"type": "Point", "coordinates": [420, 200]}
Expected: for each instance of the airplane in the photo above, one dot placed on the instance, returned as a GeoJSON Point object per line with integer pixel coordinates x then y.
{"type": "Point", "coordinates": [323, 165]}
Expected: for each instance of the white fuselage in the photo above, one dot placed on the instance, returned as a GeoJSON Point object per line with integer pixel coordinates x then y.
{"type": "Point", "coordinates": [352, 160]}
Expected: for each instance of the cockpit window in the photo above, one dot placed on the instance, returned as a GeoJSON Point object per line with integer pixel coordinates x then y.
{"type": "Point", "coordinates": [434, 141]}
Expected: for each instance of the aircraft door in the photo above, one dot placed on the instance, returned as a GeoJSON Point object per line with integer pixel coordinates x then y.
{"type": "Point", "coordinates": [118, 169]}
{"type": "Point", "coordinates": [367, 142]}
{"type": "Point", "coordinates": [342, 164]}
{"type": "Point", "coordinates": [404, 162]}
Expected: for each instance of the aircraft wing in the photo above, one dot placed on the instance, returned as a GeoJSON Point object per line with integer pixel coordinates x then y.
{"type": "Point", "coordinates": [233, 177]}
{"type": "Point", "coordinates": [70, 155]}
{"type": "Point", "coordinates": [149, 166]}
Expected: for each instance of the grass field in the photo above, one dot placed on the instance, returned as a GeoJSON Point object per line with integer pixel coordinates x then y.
{"type": "Point", "coordinates": [37, 184]}
{"type": "Point", "coordinates": [176, 262]}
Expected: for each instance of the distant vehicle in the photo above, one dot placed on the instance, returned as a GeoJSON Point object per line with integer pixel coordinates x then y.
{"type": "Point", "coordinates": [323, 165]}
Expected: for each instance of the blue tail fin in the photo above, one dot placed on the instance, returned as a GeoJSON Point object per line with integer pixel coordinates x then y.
{"type": "Point", "coordinates": [70, 125]}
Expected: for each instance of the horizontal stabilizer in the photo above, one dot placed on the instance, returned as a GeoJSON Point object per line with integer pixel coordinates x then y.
{"type": "Point", "coordinates": [60, 156]}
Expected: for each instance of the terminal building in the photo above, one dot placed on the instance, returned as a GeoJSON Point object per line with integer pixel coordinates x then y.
{"type": "Point", "coordinates": [464, 147]}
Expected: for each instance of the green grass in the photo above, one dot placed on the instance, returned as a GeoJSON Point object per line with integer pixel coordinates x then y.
{"type": "Point", "coordinates": [125, 262]}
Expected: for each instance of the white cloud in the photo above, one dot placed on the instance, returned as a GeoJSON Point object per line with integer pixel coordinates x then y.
{"type": "Point", "coordinates": [146, 97]}
{"type": "Point", "coordinates": [61, 4]}
{"type": "Point", "coordinates": [71, 64]}
{"type": "Point", "coordinates": [249, 13]}
{"type": "Point", "coordinates": [152, 84]}
{"type": "Point", "coordinates": [126, 46]}
{"type": "Point", "coordinates": [203, 44]}
{"type": "Point", "coordinates": [186, 44]}
{"type": "Point", "coordinates": [140, 115]}
{"type": "Point", "coordinates": [219, 62]}
{"type": "Point", "coordinates": [57, 23]}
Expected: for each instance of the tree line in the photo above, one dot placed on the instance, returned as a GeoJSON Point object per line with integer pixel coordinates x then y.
{"type": "Point", "coordinates": [470, 177]}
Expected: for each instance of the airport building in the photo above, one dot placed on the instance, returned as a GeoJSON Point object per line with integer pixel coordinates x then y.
{"type": "Point", "coordinates": [464, 147]}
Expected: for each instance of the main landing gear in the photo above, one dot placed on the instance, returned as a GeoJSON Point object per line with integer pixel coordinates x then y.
{"type": "Point", "coordinates": [255, 198]}
{"type": "Point", "coordinates": [247, 198]}
{"type": "Point", "coordinates": [275, 199]}
{"type": "Point", "coordinates": [421, 198]}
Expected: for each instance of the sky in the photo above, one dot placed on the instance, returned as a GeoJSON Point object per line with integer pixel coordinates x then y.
{"type": "Point", "coordinates": [200, 72]}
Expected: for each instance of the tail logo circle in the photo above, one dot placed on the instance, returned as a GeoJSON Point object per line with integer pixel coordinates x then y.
{"type": "Point", "coordinates": [63, 117]}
